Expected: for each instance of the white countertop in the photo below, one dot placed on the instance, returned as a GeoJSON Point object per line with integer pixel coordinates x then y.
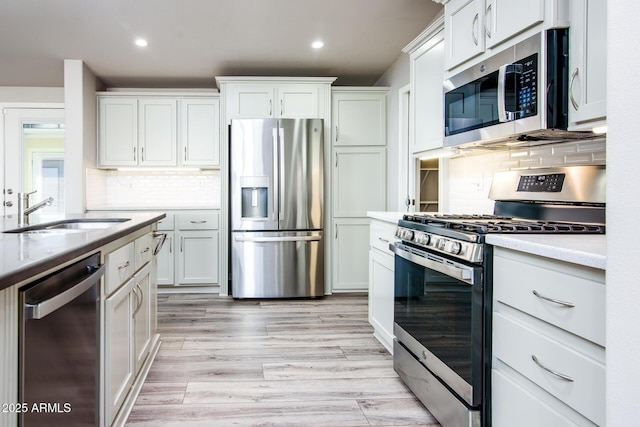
{"type": "Point", "coordinates": [589, 250]}
{"type": "Point", "coordinates": [25, 255]}
{"type": "Point", "coordinates": [393, 217]}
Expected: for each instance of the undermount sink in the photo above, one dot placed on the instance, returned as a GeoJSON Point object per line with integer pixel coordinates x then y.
{"type": "Point", "coordinates": [81, 225]}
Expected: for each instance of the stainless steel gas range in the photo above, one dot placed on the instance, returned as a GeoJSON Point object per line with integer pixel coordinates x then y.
{"type": "Point", "coordinates": [443, 283]}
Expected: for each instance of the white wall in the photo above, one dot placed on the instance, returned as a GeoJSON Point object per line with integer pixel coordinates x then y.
{"type": "Point", "coordinates": [80, 86]}
{"type": "Point", "coordinates": [623, 204]}
{"type": "Point", "coordinates": [38, 95]}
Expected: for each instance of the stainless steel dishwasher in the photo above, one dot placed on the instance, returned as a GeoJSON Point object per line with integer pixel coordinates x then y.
{"type": "Point", "coordinates": [58, 360]}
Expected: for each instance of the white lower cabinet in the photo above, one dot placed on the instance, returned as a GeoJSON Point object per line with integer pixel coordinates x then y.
{"type": "Point", "coordinates": [198, 257]}
{"type": "Point", "coordinates": [191, 251]}
{"type": "Point", "coordinates": [129, 323]}
{"type": "Point", "coordinates": [142, 319]}
{"type": "Point", "coordinates": [381, 277]}
{"type": "Point", "coordinates": [548, 342]}
{"type": "Point", "coordinates": [350, 250]}
{"type": "Point", "coordinates": [119, 342]}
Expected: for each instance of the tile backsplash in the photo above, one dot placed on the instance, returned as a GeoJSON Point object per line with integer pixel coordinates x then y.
{"type": "Point", "coordinates": [152, 189]}
{"type": "Point", "coordinates": [469, 177]}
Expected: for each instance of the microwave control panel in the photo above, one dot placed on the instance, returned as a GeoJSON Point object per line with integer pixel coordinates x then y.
{"type": "Point", "coordinates": [528, 86]}
{"type": "Point", "coordinates": [549, 183]}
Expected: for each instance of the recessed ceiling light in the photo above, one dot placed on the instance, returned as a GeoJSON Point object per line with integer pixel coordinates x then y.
{"type": "Point", "coordinates": [141, 42]}
{"type": "Point", "coordinates": [317, 44]}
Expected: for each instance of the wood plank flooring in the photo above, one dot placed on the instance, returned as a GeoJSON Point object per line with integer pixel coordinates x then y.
{"type": "Point", "coordinates": [272, 363]}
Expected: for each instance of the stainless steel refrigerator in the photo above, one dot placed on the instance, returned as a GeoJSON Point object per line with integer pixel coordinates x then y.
{"type": "Point", "coordinates": [277, 199]}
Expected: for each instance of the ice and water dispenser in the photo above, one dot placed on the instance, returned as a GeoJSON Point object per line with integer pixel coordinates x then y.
{"type": "Point", "coordinates": [255, 197]}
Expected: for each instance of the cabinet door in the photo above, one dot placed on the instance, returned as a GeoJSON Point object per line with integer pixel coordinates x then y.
{"type": "Point", "coordinates": [464, 32]}
{"type": "Point", "coordinates": [142, 316]}
{"type": "Point", "coordinates": [165, 261]}
{"type": "Point", "coordinates": [506, 18]}
{"type": "Point", "coordinates": [381, 271]}
{"type": "Point", "coordinates": [359, 118]}
{"type": "Point", "coordinates": [359, 181]}
{"type": "Point", "coordinates": [249, 101]}
{"type": "Point", "coordinates": [157, 121]}
{"type": "Point", "coordinates": [427, 67]}
{"type": "Point", "coordinates": [297, 101]}
{"type": "Point", "coordinates": [587, 64]}
{"type": "Point", "coordinates": [119, 363]}
{"type": "Point", "coordinates": [198, 257]}
{"type": "Point", "coordinates": [117, 131]}
{"type": "Point", "coordinates": [200, 132]}
{"type": "Point", "coordinates": [351, 255]}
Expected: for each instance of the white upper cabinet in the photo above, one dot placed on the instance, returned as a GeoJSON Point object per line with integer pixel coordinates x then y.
{"type": "Point", "coordinates": [464, 21]}
{"type": "Point", "coordinates": [427, 73]}
{"type": "Point", "coordinates": [506, 18]}
{"type": "Point", "coordinates": [199, 132]}
{"type": "Point", "coordinates": [117, 131]}
{"type": "Point", "coordinates": [587, 64]}
{"type": "Point", "coordinates": [167, 131]}
{"type": "Point", "coordinates": [264, 100]}
{"type": "Point", "coordinates": [251, 100]}
{"type": "Point", "coordinates": [359, 118]}
{"type": "Point", "coordinates": [158, 136]}
{"type": "Point", "coordinates": [297, 101]}
{"type": "Point", "coordinates": [473, 26]}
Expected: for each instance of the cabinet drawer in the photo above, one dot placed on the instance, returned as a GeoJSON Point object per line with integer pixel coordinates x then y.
{"type": "Point", "coordinates": [120, 267]}
{"type": "Point", "coordinates": [143, 249]}
{"type": "Point", "coordinates": [517, 345]}
{"type": "Point", "coordinates": [380, 235]}
{"type": "Point", "coordinates": [514, 404]}
{"type": "Point", "coordinates": [515, 281]}
{"type": "Point", "coordinates": [198, 221]}
{"type": "Point", "coordinates": [167, 223]}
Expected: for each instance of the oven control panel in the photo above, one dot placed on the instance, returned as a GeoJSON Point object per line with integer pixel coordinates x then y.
{"type": "Point", "coordinates": [547, 183]}
{"type": "Point", "coordinates": [468, 251]}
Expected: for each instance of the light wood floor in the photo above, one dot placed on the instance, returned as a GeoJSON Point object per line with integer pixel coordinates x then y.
{"type": "Point", "coordinates": [272, 363]}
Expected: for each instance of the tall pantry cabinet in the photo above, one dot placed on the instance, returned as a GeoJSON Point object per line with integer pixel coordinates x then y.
{"type": "Point", "coordinates": [358, 164]}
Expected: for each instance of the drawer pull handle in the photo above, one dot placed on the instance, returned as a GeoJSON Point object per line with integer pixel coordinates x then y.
{"type": "Point", "coordinates": [145, 250]}
{"type": "Point", "coordinates": [557, 374]}
{"type": "Point", "coordinates": [125, 265]}
{"type": "Point", "coordinates": [383, 240]}
{"type": "Point", "coordinates": [555, 301]}
{"type": "Point", "coordinates": [198, 222]}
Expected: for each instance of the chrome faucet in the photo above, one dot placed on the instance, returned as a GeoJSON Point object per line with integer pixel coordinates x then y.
{"type": "Point", "coordinates": [24, 210]}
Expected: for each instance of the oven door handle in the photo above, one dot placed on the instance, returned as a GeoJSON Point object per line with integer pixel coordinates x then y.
{"type": "Point", "coordinates": [457, 271]}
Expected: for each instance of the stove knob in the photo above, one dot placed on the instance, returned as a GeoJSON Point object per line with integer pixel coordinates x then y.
{"type": "Point", "coordinates": [398, 232]}
{"type": "Point", "coordinates": [455, 248]}
{"type": "Point", "coordinates": [421, 238]}
{"type": "Point", "coordinates": [407, 234]}
{"type": "Point", "coordinates": [440, 244]}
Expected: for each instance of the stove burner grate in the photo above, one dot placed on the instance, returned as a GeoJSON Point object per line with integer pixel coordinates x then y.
{"type": "Point", "coordinates": [485, 224]}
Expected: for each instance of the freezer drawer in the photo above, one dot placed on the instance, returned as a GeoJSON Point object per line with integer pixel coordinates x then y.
{"type": "Point", "coordinates": [277, 264]}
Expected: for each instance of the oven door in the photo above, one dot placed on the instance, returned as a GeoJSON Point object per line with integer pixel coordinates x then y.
{"type": "Point", "coordinates": [438, 315]}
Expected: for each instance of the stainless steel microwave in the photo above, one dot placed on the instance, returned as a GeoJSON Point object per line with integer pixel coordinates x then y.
{"type": "Point", "coordinates": [518, 94]}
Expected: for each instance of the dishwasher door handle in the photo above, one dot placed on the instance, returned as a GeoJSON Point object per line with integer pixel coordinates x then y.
{"type": "Point", "coordinates": [44, 308]}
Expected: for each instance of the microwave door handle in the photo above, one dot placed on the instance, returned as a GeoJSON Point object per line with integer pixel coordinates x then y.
{"type": "Point", "coordinates": [503, 114]}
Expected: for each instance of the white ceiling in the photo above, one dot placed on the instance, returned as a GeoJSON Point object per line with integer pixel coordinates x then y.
{"type": "Point", "coordinates": [192, 41]}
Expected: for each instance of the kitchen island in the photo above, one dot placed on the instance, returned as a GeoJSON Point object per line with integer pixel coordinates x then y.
{"type": "Point", "coordinates": [124, 243]}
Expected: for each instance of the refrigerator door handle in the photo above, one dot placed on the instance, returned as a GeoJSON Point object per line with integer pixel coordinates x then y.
{"type": "Point", "coordinates": [265, 239]}
{"type": "Point", "coordinates": [275, 183]}
{"type": "Point", "coordinates": [282, 184]}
